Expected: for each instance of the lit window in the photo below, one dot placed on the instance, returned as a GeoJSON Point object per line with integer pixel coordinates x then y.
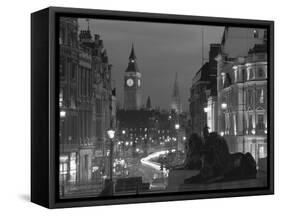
{"type": "Point", "coordinates": [223, 78]}
{"type": "Point", "coordinates": [250, 74]}
{"type": "Point", "coordinates": [260, 95]}
{"type": "Point", "coordinates": [235, 75]}
{"type": "Point", "coordinates": [61, 97]}
{"type": "Point", "coordinates": [261, 152]}
{"type": "Point", "coordinates": [255, 33]}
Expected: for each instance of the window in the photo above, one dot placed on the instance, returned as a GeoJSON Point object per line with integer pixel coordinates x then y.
{"type": "Point", "coordinates": [61, 97]}
{"type": "Point", "coordinates": [223, 79]}
{"type": "Point", "coordinates": [62, 36]}
{"type": "Point", "coordinates": [62, 69]}
{"type": "Point", "coordinates": [73, 72]}
{"type": "Point", "coordinates": [260, 96]}
{"type": "Point", "coordinates": [260, 73]}
{"type": "Point", "coordinates": [98, 106]}
{"type": "Point", "coordinates": [83, 84]}
{"type": "Point", "coordinates": [265, 35]}
{"type": "Point", "coordinates": [235, 75]}
{"type": "Point", "coordinates": [262, 151]}
{"type": "Point", "coordinates": [260, 124]}
{"type": "Point", "coordinates": [99, 129]}
{"type": "Point", "coordinates": [250, 74]}
{"type": "Point", "coordinates": [250, 97]}
{"type": "Point", "coordinates": [72, 97]}
{"type": "Point", "coordinates": [250, 122]}
{"type": "Point", "coordinates": [86, 163]}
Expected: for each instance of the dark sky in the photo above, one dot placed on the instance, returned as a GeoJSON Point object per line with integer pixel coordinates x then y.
{"type": "Point", "coordinates": [161, 50]}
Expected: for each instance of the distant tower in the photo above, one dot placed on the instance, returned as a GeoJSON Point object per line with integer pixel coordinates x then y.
{"type": "Point", "coordinates": [176, 103]}
{"type": "Point", "coordinates": [132, 84]}
{"type": "Point", "coordinates": [148, 103]}
{"type": "Point", "coordinates": [85, 35]}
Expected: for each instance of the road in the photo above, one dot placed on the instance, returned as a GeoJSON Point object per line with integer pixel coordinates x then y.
{"type": "Point", "coordinates": [151, 170]}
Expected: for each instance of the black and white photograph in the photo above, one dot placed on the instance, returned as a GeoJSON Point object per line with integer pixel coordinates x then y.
{"type": "Point", "coordinates": [151, 108]}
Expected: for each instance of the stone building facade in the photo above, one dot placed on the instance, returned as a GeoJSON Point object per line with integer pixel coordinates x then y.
{"type": "Point", "coordinates": [203, 93]}
{"type": "Point", "coordinates": [242, 101]}
{"type": "Point", "coordinates": [86, 102]}
{"type": "Point", "coordinates": [242, 90]}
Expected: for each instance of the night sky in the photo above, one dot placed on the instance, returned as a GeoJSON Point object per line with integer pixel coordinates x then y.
{"type": "Point", "coordinates": [161, 50]}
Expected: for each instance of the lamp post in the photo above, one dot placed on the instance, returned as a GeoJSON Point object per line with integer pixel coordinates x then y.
{"type": "Point", "coordinates": [62, 116]}
{"type": "Point", "coordinates": [177, 127]}
{"type": "Point", "coordinates": [123, 142]}
{"type": "Point", "coordinates": [111, 134]}
{"type": "Point", "coordinates": [224, 107]}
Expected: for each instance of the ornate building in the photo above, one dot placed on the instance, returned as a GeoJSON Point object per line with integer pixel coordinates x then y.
{"type": "Point", "coordinates": [242, 101]}
{"type": "Point", "coordinates": [86, 103]}
{"type": "Point", "coordinates": [176, 102]}
{"type": "Point", "coordinates": [242, 90]}
{"type": "Point", "coordinates": [132, 84]}
{"type": "Point", "coordinates": [69, 138]}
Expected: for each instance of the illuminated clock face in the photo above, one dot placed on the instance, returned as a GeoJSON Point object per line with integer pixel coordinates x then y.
{"type": "Point", "coordinates": [130, 82]}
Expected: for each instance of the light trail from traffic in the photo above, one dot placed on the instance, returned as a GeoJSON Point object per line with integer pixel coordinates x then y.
{"type": "Point", "coordinates": [157, 166]}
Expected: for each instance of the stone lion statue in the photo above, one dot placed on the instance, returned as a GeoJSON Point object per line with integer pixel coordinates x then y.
{"type": "Point", "coordinates": [193, 153]}
{"type": "Point", "coordinates": [216, 162]}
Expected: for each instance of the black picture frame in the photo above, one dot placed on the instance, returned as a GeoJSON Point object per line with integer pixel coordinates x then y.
{"type": "Point", "coordinates": [45, 112]}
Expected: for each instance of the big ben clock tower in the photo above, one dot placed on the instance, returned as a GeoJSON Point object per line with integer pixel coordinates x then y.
{"type": "Point", "coordinates": [132, 84]}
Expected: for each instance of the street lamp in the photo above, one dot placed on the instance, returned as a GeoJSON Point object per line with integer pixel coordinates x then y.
{"type": "Point", "coordinates": [177, 127]}
{"type": "Point", "coordinates": [206, 109]}
{"type": "Point", "coordinates": [224, 106]}
{"type": "Point", "coordinates": [111, 134]}
{"type": "Point", "coordinates": [62, 114]}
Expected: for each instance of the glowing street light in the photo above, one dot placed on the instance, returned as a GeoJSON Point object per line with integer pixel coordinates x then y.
{"type": "Point", "coordinates": [223, 106]}
{"type": "Point", "coordinates": [123, 132]}
{"type": "Point", "coordinates": [62, 114]}
{"type": "Point", "coordinates": [177, 127]}
{"type": "Point", "coordinates": [111, 133]}
{"type": "Point", "coordinates": [206, 109]}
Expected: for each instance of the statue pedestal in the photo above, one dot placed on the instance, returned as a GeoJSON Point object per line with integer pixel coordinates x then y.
{"type": "Point", "coordinates": [177, 177]}
{"type": "Point", "coordinates": [176, 182]}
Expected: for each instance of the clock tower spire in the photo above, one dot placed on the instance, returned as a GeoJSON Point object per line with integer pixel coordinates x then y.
{"type": "Point", "coordinates": [132, 84]}
{"type": "Point", "coordinates": [176, 103]}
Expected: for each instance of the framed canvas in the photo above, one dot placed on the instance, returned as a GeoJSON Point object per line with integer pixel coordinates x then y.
{"type": "Point", "coordinates": [139, 107]}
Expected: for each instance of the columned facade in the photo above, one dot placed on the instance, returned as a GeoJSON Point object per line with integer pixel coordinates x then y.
{"type": "Point", "coordinates": [242, 102]}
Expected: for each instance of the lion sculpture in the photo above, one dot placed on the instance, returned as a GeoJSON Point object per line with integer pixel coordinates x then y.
{"type": "Point", "coordinates": [215, 162]}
